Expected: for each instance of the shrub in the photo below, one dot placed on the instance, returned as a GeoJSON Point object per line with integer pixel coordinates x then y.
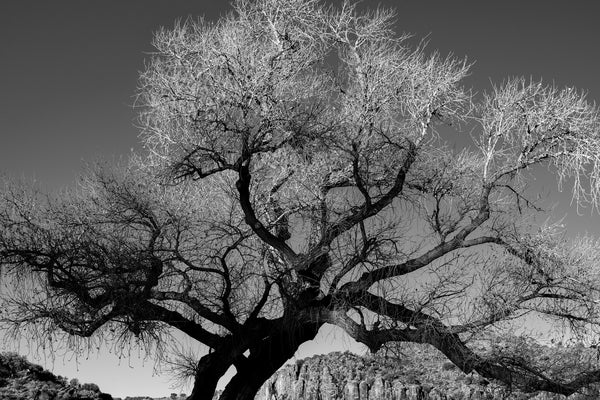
{"type": "Point", "coordinates": [14, 362]}
{"type": "Point", "coordinates": [390, 376]}
{"type": "Point", "coordinates": [447, 366]}
{"type": "Point", "coordinates": [92, 387]}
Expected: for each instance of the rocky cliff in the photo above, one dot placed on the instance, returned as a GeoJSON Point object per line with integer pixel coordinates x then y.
{"type": "Point", "coordinates": [419, 374]}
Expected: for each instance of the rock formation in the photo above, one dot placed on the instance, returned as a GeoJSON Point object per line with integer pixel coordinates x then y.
{"type": "Point", "coordinates": [346, 376]}
{"type": "Point", "coordinates": [22, 380]}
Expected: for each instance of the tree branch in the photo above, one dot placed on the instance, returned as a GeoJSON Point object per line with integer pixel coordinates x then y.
{"type": "Point", "coordinates": [154, 312]}
{"type": "Point", "coordinates": [198, 307]}
{"type": "Point", "coordinates": [243, 187]}
{"type": "Point", "coordinates": [366, 210]}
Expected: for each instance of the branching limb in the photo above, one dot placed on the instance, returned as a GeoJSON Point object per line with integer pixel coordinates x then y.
{"type": "Point", "coordinates": [243, 187]}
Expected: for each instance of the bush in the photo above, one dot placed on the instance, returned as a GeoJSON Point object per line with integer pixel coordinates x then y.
{"type": "Point", "coordinates": [43, 375]}
{"type": "Point", "coordinates": [14, 362]}
{"type": "Point", "coordinates": [92, 387]}
{"type": "Point", "coordinates": [448, 366]}
{"type": "Point", "coordinates": [482, 381]}
{"type": "Point", "coordinates": [390, 376]}
{"type": "Point", "coordinates": [412, 379]}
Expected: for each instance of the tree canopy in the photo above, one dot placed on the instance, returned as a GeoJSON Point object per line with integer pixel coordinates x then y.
{"type": "Point", "coordinates": [305, 166]}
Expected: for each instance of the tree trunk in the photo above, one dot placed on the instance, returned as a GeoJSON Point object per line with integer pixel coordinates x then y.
{"type": "Point", "coordinates": [265, 359]}
{"type": "Point", "coordinates": [211, 368]}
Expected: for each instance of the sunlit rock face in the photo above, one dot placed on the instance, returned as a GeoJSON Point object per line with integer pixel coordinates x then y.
{"type": "Point", "coordinates": [419, 376]}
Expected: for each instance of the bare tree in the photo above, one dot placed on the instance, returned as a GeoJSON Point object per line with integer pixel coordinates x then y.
{"type": "Point", "coordinates": [299, 173]}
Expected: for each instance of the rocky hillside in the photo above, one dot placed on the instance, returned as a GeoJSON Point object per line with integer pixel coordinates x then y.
{"type": "Point", "coordinates": [416, 374]}
{"type": "Point", "coordinates": [22, 380]}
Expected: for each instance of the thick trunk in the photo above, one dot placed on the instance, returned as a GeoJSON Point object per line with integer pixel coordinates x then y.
{"type": "Point", "coordinates": [214, 365]}
{"type": "Point", "coordinates": [210, 369]}
{"type": "Point", "coordinates": [266, 358]}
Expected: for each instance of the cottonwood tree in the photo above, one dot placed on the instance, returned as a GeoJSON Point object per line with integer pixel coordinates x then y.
{"type": "Point", "coordinates": [305, 167]}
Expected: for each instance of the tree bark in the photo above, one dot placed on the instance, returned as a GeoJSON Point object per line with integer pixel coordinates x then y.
{"type": "Point", "coordinates": [211, 368]}
{"type": "Point", "coordinates": [266, 358]}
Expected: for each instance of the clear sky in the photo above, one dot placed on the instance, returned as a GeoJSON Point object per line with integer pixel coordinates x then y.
{"type": "Point", "coordinates": [68, 73]}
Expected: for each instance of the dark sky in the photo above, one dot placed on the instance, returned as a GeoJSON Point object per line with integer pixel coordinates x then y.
{"type": "Point", "coordinates": [68, 74]}
{"type": "Point", "coordinates": [69, 68]}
